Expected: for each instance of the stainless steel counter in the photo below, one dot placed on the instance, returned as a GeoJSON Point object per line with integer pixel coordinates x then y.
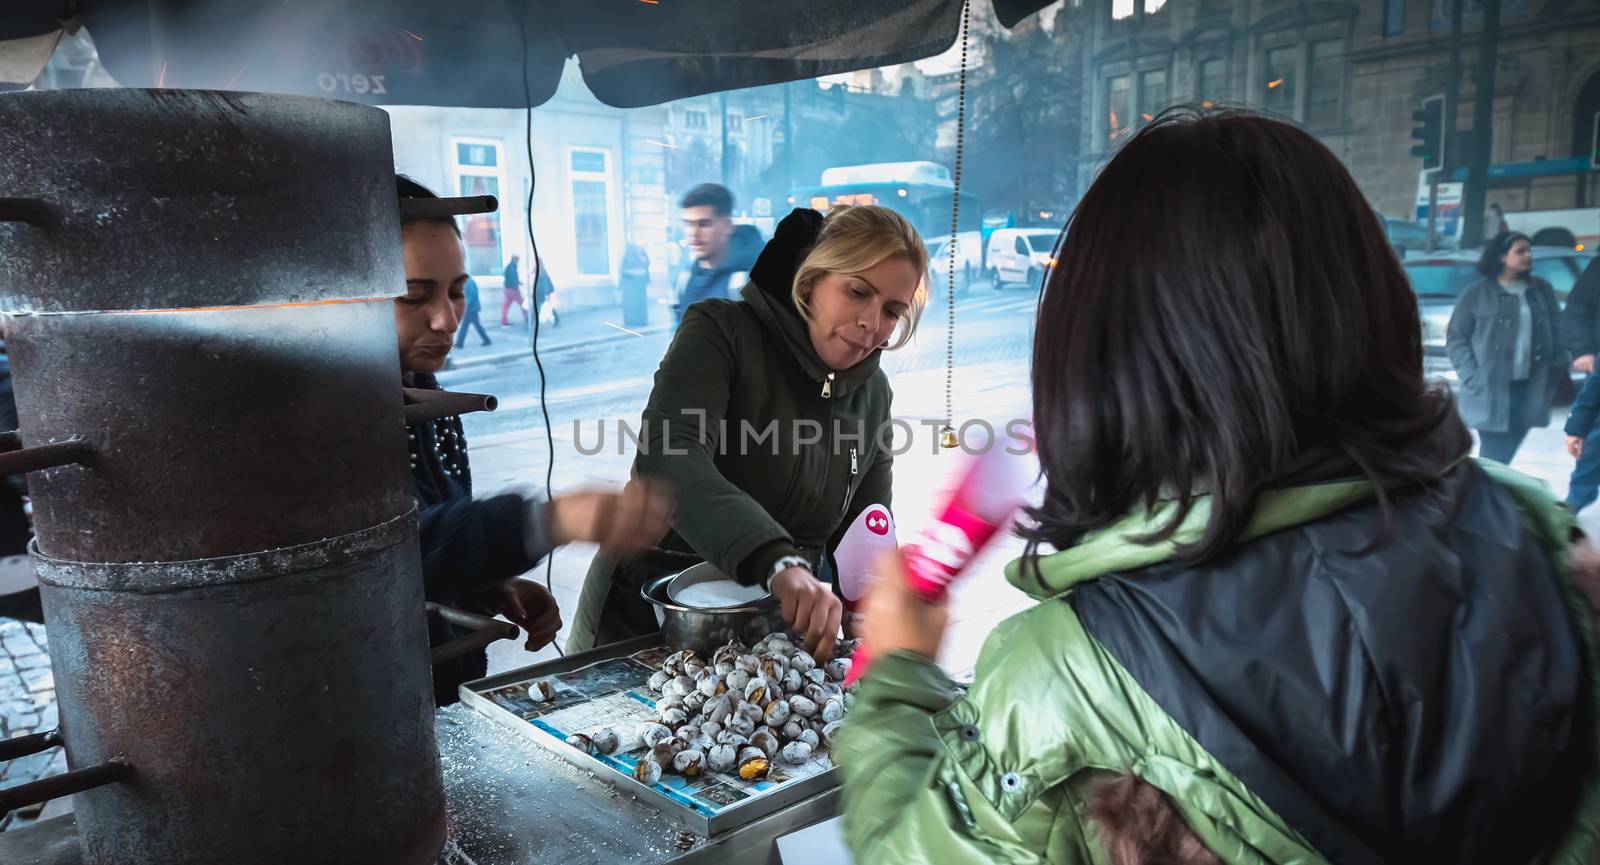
{"type": "Point", "coordinates": [514, 803]}
{"type": "Point", "coordinates": [511, 802]}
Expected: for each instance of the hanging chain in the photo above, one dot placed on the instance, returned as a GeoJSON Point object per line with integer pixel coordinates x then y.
{"type": "Point", "coordinates": [947, 435]}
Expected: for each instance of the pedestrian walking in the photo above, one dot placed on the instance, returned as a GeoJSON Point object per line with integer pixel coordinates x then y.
{"type": "Point", "coordinates": [1494, 221]}
{"type": "Point", "coordinates": [543, 292]}
{"type": "Point", "coordinates": [1580, 321]}
{"type": "Point", "coordinates": [1583, 445]}
{"type": "Point", "coordinates": [722, 257]}
{"type": "Point", "coordinates": [513, 293]}
{"type": "Point", "coordinates": [469, 318]}
{"type": "Point", "coordinates": [1504, 345]}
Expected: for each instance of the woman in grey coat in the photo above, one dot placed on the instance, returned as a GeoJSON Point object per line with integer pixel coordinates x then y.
{"type": "Point", "coordinates": [1503, 343]}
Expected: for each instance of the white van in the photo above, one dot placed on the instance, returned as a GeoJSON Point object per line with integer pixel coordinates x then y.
{"type": "Point", "coordinates": [1020, 255]}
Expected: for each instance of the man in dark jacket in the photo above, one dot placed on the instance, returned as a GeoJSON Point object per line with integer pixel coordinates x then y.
{"type": "Point", "coordinates": [473, 549]}
{"type": "Point", "coordinates": [469, 319]}
{"type": "Point", "coordinates": [1583, 444]}
{"type": "Point", "coordinates": [723, 255]}
{"type": "Point", "coordinates": [1580, 323]}
{"type": "Point", "coordinates": [1580, 327]}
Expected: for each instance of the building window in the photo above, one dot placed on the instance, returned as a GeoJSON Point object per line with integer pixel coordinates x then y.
{"type": "Point", "coordinates": [1213, 78]}
{"type": "Point", "coordinates": [1279, 80]}
{"type": "Point", "coordinates": [591, 210]}
{"type": "Point", "coordinates": [735, 123]}
{"type": "Point", "coordinates": [479, 170]}
{"type": "Point", "coordinates": [696, 119]}
{"type": "Point", "coordinates": [1394, 17]}
{"type": "Point", "coordinates": [1152, 93]}
{"type": "Point", "coordinates": [1119, 106]}
{"type": "Point", "coordinates": [1122, 10]}
{"type": "Point", "coordinates": [1325, 88]}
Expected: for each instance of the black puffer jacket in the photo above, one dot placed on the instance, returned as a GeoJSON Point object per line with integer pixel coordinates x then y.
{"type": "Point", "coordinates": [1428, 701]}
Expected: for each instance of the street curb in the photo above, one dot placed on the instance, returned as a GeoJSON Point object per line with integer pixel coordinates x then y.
{"type": "Point", "coordinates": [547, 350]}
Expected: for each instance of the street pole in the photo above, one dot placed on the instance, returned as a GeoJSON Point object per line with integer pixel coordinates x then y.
{"type": "Point", "coordinates": [724, 138]}
{"type": "Point", "coordinates": [1452, 89]}
{"type": "Point", "coordinates": [788, 138]}
{"type": "Point", "coordinates": [1476, 194]}
{"type": "Point", "coordinates": [1452, 108]}
{"type": "Point", "coordinates": [1433, 210]}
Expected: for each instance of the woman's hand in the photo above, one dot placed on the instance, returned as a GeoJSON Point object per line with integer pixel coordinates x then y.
{"type": "Point", "coordinates": [894, 618]}
{"type": "Point", "coordinates": [810, 608]}
{"type": "Point", "coordinates": [1575, 447]}
{"type": "Point", "coordinates": [621, 523]}
{"type": "Point", "coordinates": [532, 608]}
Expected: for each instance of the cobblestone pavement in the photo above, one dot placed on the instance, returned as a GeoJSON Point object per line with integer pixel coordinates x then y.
{"type": "Point", "coordinates": [27, 705]}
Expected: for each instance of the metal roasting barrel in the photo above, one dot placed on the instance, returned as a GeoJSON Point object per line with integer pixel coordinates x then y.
{"type": "Point", "coordinates": [195, 290]}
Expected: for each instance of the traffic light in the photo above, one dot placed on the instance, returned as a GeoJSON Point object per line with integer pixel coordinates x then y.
{"type": "Point", "coordinates": [1429, 132]}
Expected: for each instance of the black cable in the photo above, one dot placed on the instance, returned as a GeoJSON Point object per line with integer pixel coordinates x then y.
{"type": "Point", "coordinates": [533, 287]}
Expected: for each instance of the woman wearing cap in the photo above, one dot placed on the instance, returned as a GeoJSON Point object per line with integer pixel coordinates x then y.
{"type": "Point", "coordinates": [474, 549]}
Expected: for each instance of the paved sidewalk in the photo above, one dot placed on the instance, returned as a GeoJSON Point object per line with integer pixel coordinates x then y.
{"type": "Point", "coordinates": [580, 329]}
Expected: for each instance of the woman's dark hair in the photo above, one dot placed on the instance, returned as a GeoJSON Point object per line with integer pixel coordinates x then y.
{"type": "Point", "coordinates": [408, 188]}
{"type": "Point", "coordinates": [1224, 307]}
{"type": "Point", "coordinates": [1489, 261]}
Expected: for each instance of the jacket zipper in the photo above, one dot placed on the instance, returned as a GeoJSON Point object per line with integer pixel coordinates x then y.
{"type": "Point", "coordinates": [855, 469]}
{"type": "Point", "coordinates": [827, 387]}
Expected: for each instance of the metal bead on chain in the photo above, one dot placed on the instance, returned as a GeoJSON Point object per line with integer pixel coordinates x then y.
{"type": "Point", "coordinates": [947, 435]}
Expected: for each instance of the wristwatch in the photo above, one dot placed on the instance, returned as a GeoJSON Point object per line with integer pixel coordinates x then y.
{"type": "Point", "coordinates": [786, 563]}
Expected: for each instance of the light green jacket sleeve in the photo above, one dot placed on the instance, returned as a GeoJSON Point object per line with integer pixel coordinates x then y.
{"type": "Point", "coordinates": [906, 801]}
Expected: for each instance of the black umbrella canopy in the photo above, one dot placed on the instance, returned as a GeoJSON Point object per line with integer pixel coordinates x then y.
{"type": "Point", "coordinates": [427, 52]}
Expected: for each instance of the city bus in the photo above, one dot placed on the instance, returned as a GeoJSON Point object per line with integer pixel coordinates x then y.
{"type": "Point", "coordinates": [920, 191]}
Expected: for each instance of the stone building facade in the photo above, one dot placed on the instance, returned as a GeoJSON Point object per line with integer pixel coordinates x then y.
{"type": "Point", "coordinates": [1352, 73]}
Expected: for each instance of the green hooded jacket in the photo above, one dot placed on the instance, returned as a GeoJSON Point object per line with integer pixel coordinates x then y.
{"type": "Point", "coordinates": [769, 451]}
{"type": "Point", "coordinates": [1003, 774]}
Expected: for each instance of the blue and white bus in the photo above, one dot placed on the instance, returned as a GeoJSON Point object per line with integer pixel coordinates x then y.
{"type": "Point", "coordinates": [920, 191]}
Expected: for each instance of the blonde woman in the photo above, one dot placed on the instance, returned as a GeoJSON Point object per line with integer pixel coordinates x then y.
{"type": "Point", "coordinates": [766, 418]}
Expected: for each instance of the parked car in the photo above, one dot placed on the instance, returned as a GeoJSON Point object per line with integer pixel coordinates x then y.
{"type": "Point", "coordinates": [969, 262]}
{"type": "Point", "coordinates": [1020, 255]}
{"type": "Point", "coordinates": [1410, 239]}
{"type": "Point", "coordinates": [1439, 280]}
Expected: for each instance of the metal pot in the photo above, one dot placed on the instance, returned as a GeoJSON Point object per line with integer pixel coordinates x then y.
{"type": "Point", "coordinates": [703, 630]}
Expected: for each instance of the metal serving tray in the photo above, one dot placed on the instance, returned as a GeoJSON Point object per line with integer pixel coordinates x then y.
{"type": "Point", "coordinates": [607, 686]}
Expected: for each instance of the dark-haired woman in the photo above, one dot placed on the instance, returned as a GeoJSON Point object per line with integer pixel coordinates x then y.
{"type": "Point", "coordinates": [473, 549]}
{"type": "Point", "coordinates": [1285, 619]}
{"type": "Point", "coordinates": [1504, 344]}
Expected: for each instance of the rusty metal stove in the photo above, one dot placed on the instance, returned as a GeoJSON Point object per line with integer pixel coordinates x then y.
{"type": "Point", "coordinates": [194, 288]}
